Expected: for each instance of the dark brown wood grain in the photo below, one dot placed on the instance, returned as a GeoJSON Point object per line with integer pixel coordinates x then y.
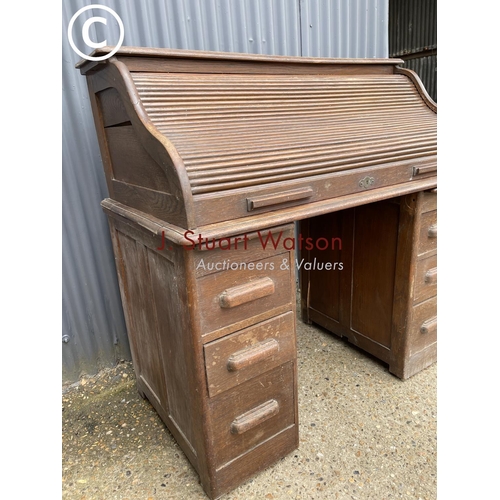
{"type": "Point", "coordinates": [112, 107]}
{"type": "Point", "coordinates": [180, 65]}
{"type": "Point", "coordinates": [162, 53]}
{"type": "Point", "coordinates": [209, 158]}
{"type": "Point", "coordinates": [247, 397]}
{"type": "Point", "coordinates": [425, 278]}
{"type": "Point", "coordinates": [236, 358]}
{"type": "Point", "coordinates": [164, 206]}
{"type": "Point", "coordinates": [387, 287]}
{"type": "Point", "coordinates": [131, 163]}
{"type": "Point", "coordinates": [210, 289]}
{"type": "Point", "coordinates": [324, 187]}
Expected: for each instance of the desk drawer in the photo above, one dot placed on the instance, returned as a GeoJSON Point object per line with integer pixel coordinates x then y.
{"type": "Point", "coordinates": [425, 279]}
{"type": "Point", "coordinates": [245, 295]}
{"type": "Point", "coordinates": [427, 241]}
{"type": "Point", "coordinates": [423, 328]}
{"type": "Point", "coordinates": [251, 413]}
{"type": "Point", "coordinates": [236, 358]}
{"type": "Point", "coordinates": [429, 201]}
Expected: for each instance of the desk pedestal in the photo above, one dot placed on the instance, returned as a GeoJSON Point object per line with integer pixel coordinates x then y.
{"type": "Point", "coordinates": [212, 336]}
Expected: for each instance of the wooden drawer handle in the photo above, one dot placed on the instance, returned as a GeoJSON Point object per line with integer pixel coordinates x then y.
{"type": "Point", "coordinates": [242, 294]}
{"type": "Point", "coordinates": [267, 200]}
{"type": "Point", "coordinates": [252, 354]}
{"type": "Point", "coordinates": [431, 276]}
{"type": "Point", "coordinates": [429, 326]}
{"type": "Point", "coordinates": [426, 169]}
{"type": "Point", "coordinates": [432, 231]}
{"type": "Point", "coordinates": [254, 417]}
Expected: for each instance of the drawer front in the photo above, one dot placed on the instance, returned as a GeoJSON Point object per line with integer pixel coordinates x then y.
{"type": "Point", "coordinates": [239, 249]}
{"type": "Point", "coordinates": [428, 233]}
{"type": "Point", "coordinates": [425, 279]}
{"type": "Point", "coordinates": [251, 413]}
{"type": "Point", "coordinates": [244, 294]}
{"type": "Point", "coordinates": [429, 201]}
{"type": "Point", "coordinates": [236, 358]}
{"type": "Point", "coordinates": [423, 330]}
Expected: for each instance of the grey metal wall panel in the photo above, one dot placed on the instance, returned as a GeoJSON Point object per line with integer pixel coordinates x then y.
{"type": "Point", "coordinates": [412, 26]}
{"type": "Point", "coordinates": [94, 334]}
{"type": "Point", "coordinates": [93, 323]}
{"type": "Point", "coordinates": [413, 37]}
{"type": "Point", "coordinates": [344, 28]}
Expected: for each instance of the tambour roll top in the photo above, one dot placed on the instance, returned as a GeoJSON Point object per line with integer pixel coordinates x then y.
{"type": "Point", "coordinates": [197, 138]}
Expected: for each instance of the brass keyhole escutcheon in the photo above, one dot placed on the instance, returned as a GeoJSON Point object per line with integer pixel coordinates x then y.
{"type": "Point", "coordinates": [366, 182]}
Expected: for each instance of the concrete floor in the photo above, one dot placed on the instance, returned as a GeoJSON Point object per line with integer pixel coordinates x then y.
{"type": "Point", "coordinates": [364, 434]}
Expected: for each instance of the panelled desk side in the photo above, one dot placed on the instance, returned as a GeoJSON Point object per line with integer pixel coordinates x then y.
{"type": "Point", "coordinates": [186, 156]}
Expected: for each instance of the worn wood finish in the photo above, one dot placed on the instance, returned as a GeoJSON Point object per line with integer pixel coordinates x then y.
{"type": "Point", "coordinates": [240, 416]}
{"type": "Point", "coordinates": [235, 358]}
{"type": "Point", "coordinates": [330, 186]}
{"type": "Point", "coordinates": [174, 359]}
{"type": "Point", "coordinates": [161, 53]}
{"type": "Point", "coordinates": [222, 126]}
{"type": "Point", "coordinates": [114, 75]}
{"type": "Point", "coordinates": [384, 298]}
{"type": "Point", "coordinates": [244, 287]}
{"type": "Point", "coordinates": [262, 222]}
{"type": "Point", "coordinates": [127, 154]}
{"type": "Point", "coordinates": [209, 158]}
{"type": "Point", "coordinates": [248, 67]}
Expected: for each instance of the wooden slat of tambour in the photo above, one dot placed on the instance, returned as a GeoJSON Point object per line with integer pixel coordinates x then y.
{"type": "Point", "coordinates": [243, 101]}
{"type": "Point", "coordinates": [229, 123]}
{"type": "Point", "coordinates": [218, 155]}
{"type": "Point", "coordinates": [296, 153]}
{"type": "Point", "coordinates": [207, 156]}
{"type": "Point", "coordinates": [220, 151]}
{"type": "Point", "coordinates": [270, 121]}
{"type": "Point", "coordinates": [304, 166]}
{"type": "Point", "coordinates": [243, 115]}
{"type": "Point", "coordinates": [152, 98]}
{"type": "Point", "coordinates": [340, 110]}
{"type": "Point", "coordinates": [323, 132]}
{"type": "Point", "coordinates": [265, 81]}
{"type": "Point", "coordinates": [234, 184]}
{"type": "Point", "coordinates": [236, 130]}
{"type": "Point", "coordinates": [338, 156]}
{"type": "Point", "coordinates": [351, 135]}
{"type": "Point", "coordinates": [183, 112]}
{"type": "Point", "coordinates": [220, 110]}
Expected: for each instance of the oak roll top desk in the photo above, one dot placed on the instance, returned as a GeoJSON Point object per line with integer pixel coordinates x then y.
{"type": "Point", "coordinates": [210, 158]}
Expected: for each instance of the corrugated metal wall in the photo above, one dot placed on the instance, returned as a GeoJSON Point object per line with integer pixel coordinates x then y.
{"type": "Point", "coordinates": [94, 334]}
{"type": "Point", "coordinates": [413, 37]}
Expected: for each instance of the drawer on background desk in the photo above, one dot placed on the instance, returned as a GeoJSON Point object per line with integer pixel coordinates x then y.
{"type": "Point", "coordinates": [427, 241]}
{"type": "Point", "coordinates": [423, 327]}
{"type": "Point", "coordinates": [425, 279]}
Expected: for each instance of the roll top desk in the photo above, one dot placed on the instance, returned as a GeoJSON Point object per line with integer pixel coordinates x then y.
{"type": "Point", "coordinates": [210, 158]}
